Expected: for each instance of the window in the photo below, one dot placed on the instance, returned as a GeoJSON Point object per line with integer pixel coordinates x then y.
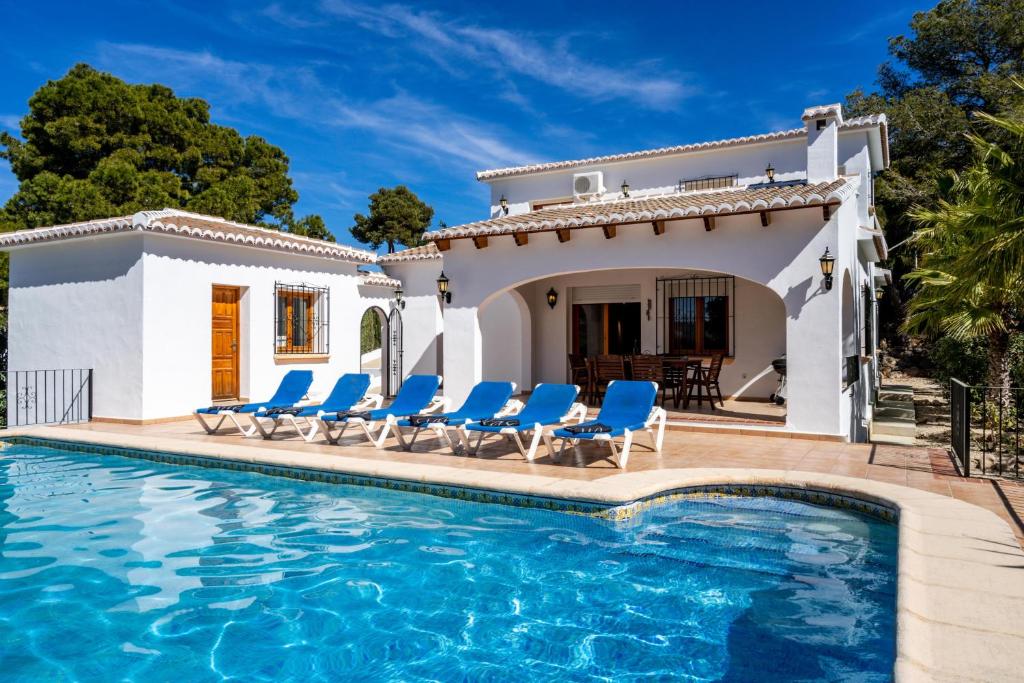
{"type": "Point", "coordinates": [698, 324]}
{"type": "Point", "coordinates": [301, 319]}
{"type": "Point", "coordinates": [696, 315]}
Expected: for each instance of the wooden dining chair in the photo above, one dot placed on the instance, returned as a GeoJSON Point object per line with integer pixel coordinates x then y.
{"type": "Point", "coordinates": [676, 378]}
{"type": "Point", "coordinates": [706, 380]}
{"type": "Point", "coordinates": [650, 368]}
{"type": "Point", "coordinates": [606, 370]}
{"type": "Point", "coordinates": [580, 374]}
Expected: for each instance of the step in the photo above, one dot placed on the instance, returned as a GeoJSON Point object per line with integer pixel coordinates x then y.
{"type": "Point", "coordinates": [902, 391]}
{"type": "Point", "coordinates": [894, 419]}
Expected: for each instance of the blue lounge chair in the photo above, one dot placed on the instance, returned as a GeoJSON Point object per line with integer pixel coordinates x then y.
{"type": "Point", "coordinates": [549, 404]}
{"type": "Point", "coordinates": [349, 393]}
{"type": "Point", "coordinates": [487, 399]}
{"type": "Point", "coordinates": [628, 407]}
{"type": "Point", "coordinates": [292, 389]}
{"type": "Point", "coordinates": [417, 396]}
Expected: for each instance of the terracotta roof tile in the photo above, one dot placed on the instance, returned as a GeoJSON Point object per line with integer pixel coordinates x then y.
{"type": "Point", "coordinates": [421, 253]}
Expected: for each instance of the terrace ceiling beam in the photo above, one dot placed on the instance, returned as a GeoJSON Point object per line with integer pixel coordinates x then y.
{"type": "Point", "coordinates": [826, 211]}
{"type": "Point", "coordinates": [766, 219]}
{"type": "Point", "coordinates": [709, 223]}
{"type": "Point", "coordinates": [563, 235]}
{"type": "Point", "coordinates": [521, 238]}
{"type": "Point", "coordinates": [659, 227]}
{"type": "Point", "coordinates": [480, 241]}
{"type": "Point", "coordinates": [443, 245]}
{"type": "Point", "coordinates": [609, 231]}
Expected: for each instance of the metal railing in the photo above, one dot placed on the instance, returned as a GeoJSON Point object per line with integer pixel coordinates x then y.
{"type": "Point", "coordinates": [985, 427]}
{"type": "Point", "coordinates": [33, 397]}
{"type": "Point", "coordinates": [302, 319]}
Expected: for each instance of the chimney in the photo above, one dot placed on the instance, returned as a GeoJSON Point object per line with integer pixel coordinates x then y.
{"type": "Point", "coordinates": [823, 142]}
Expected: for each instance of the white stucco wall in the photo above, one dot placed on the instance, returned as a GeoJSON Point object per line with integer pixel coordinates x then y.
{"type": "Point", "coordinates": [421, 317]}
{"type": "Point", "coordinates": [79, 304]}
{"type": "Point", "coordinates": [505, 326]}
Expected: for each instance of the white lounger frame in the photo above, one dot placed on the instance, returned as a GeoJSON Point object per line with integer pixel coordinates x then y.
{"type": "Point", "coordinates": [309, 426]}
{"type": "Point", "coordinates": [246, 430]}
{"type": "Point", "coordinates": [335, 429]}
{"type": "Point", "coordinates": [657, 416]}
{"type": "Point", "coordinates": [443, 431]}
{"type": "Point", "coordinates": [578, 412]}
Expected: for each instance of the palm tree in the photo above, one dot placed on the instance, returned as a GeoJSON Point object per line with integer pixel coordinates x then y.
{"type": "Point", "coordinates": [971, 279]}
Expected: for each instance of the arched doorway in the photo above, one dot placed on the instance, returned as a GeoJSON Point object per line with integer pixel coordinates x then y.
{"type": "Point", "coordinates": [373, 360]}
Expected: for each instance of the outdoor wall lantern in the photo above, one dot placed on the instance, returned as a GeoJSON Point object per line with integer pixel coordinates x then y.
{"type": "Point", "coordinates": [442, 288]}
{"type": "Point", "coordinates": [828, 262]}
{"type": "Point", "coordinates": [399, 301]}
{"type": "Point", "coordinates": [625, 189]}
{"type": "Point", "coordinates": [552, 297]}
{"type": "Point", "coordinates": [770, 172]}
{"type": "Point", "coordinates": [504, 204]}
{"type": "Point", "coordinates": [879, 293]}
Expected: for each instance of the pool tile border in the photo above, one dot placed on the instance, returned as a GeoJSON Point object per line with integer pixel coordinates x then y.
{"type": "Point", "coordinates": [615, 513]}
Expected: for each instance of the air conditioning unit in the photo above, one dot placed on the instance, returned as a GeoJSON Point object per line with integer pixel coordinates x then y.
{"type": "Point", "coordinates": [587, 185]}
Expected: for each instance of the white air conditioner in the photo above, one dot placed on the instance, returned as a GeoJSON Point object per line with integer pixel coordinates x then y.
{"type": "Point", "coordinates": [587, 185]}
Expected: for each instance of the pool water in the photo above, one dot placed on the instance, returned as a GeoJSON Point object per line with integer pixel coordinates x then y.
{"type": "Point", "coordinates": [123, 569]}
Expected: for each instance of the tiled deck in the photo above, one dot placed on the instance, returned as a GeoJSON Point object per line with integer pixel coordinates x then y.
{"type": "Point", "coordinates": [921, 468]}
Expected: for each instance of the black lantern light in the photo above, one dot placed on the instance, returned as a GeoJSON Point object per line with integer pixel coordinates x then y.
{"type": "Point", "coordinates": [442, 288]}
{"type": "Point", "coordinates": [625, 189]}
{"type": "Point", "coordinates": [399, 301]}
{"type": "Point", "coordinates": [770, 172]}
{"type": "Point", "coordinates": [828, 262]}
{"type": "Point", "coordinates": [552, 297]}
{"type": "Point", "coordinates": [504, 204]}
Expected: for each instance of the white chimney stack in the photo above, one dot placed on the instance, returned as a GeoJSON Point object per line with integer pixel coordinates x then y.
{"type": "Point", "coordinates": [823, 142]}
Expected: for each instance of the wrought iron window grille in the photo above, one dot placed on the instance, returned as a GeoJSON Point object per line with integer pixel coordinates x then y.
{"type": "Point", "coordinates": [302, 319]}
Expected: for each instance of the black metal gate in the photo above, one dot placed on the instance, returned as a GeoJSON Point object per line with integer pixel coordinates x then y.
{"type": "Point", "coordinates": [394, 355]}
{"type": "Point", "coordinates": [960, 424]}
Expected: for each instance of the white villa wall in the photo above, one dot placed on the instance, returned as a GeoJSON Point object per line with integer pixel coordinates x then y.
{"type": "Point", "coordinates": [783, 257]}
{"type": "Point", "coordinates": [421, 318]}
{"type": "Point", "coordinates": [179, 276]}
{"type": "Point", "coordinates": [79, 304]}
{"type": "Point", "coordinates": [505, 325]}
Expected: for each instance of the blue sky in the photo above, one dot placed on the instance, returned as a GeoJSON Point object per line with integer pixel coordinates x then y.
{"type": "Point", "coordinates": [365, 94]}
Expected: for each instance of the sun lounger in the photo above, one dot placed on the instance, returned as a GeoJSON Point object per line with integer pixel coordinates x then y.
{"type": "Point", "coordinates": [349, 393]}
{"type": "Point", "coordinates": [292, 389]}
{"type": "Point", "coordinates": [628, 407]}
{"type": "Point", "coordinates": [487, 399]}
{"type": "Point", "coordinates": [417, 396]}
{"type": "Point", "coordinates": [549, 404]}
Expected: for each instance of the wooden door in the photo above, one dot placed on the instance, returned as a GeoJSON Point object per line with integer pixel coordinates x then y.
{"type": "Point", "coordinates": [225, 342]}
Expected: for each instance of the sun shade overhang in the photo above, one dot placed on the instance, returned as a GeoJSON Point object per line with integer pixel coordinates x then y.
{"type": "Point", "coordinates": [762, 199]}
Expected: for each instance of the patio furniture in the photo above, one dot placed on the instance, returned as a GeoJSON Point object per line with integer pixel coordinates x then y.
{"type": "Point", "coordinates": [677, 372]}
{"type": "Point", "coordinates": [580, 373]}
{"type": "Point", "coordinates": [656, 369]}
{"type": "Point", "coordinates": [706, 380]}
{"type": "Point", "coordinates": [486, 400]}
{"type": "Point", "coordinates": [606, 369]}
{"type": "Point", "coordinates": [348, 394]}
{"type": "Point", "coordinates": [292, 389]}
{"type": "Point", "coordinates": [549, 404]}
{"type": "Point", "coordinates": [628, 407]}
{"type": "Point", "coordinates": [416, 397]}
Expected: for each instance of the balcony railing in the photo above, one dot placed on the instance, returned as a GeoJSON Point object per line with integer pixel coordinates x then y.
{"type": "Point", "coordinates": [33, 397]}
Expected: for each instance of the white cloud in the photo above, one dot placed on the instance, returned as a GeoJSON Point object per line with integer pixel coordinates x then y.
{"type": "Point", "coordinates": [11, 121]}
{"type": "Point", "coordinates": [508, 52]}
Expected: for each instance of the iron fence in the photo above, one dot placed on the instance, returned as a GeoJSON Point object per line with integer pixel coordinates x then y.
{"type": "Point", "coordinates": [707, 183]}
{"type": "Point", "coordinates": [32, 397]}
{"type": "Point", "coordinates": [985, 429]}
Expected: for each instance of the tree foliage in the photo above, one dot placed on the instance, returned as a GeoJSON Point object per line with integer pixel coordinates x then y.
{"type": "Point", "coordinates": [971, 279]}
{"type": "Point", "coordinates": [396, 215]}
{"type": "Point", "coordinates": [94, 146]}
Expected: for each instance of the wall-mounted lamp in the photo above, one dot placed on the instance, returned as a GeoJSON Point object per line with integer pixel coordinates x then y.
{"type": "Point", "coordinates": [770, 172]}
{"type": "Point", "coordinates": [625, 189]}
{"type": "Point", "coordinates": [442, 288]}
{"type": "Point", "coordinates": [552, 297]}
{"type": "Point", "coordinates": [504, 204]}
{"type": "Point", "coordinates": [399, 301]}
{"type": "Point", "coordinates": [828, 262]}
{"type": "Point", "coordinates": [879, 293]}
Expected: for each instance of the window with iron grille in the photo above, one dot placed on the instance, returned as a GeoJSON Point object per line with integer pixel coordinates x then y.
{"type": "Point", "coordinates": [301, 319]}
{"type": "Point", "coordinates": [696, 315]}
{"type": "Point", "coordinates": [707, 183]}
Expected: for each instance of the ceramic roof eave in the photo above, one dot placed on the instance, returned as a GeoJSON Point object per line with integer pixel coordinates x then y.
{"type": "Point", "coordinates": [691, 206]}
{"type": "Point", "coordinates": [427, 252]}
{"type": "Point", "coordinates": [872, 120]}
{"type": "Point", "coordinates": [379, 280]}
{"type": "Point", "coordinates": [176, 223]}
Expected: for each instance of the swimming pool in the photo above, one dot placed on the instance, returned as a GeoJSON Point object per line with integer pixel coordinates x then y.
{"type": "Point", "coordinates": [147, 571]}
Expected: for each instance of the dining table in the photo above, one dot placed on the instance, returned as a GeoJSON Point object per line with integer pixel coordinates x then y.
{"type": "Point", "coordinates": [687, 365]}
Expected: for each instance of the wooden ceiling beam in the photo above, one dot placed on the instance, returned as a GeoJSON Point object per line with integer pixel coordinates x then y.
{"type": "Point", "coordinates": [521, 238]}
{"type": "Point", "coordinates": [609, 231]}
{"type": "Point", "coordinates": [480, 241]}
{"type": "Point", "coordinates": [443, 245]}
{"type": "Point", "coordinates": [766, 219]}
{"type": "Point", "coordinates": [826, 211]}
{"type": "Point", "coordinates": [709, 223]}
{"type": "Point", "coordinates": [659, 227]}
{"type": "Point", "coordinates": [563, 234]}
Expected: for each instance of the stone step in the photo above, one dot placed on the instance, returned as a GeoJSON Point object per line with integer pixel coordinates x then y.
{"type": "Point", "coordinates": [894, 420]}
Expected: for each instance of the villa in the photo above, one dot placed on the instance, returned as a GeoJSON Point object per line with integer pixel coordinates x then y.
{"type": "Point", "coordinates": [751, 249]}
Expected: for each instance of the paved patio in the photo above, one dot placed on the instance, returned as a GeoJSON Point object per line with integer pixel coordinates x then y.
{"type": "Point", "coordinates": [928, 469]}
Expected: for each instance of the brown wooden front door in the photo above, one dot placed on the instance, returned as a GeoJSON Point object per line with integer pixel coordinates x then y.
{"type": "Point", "coordinates": [225, 342]}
